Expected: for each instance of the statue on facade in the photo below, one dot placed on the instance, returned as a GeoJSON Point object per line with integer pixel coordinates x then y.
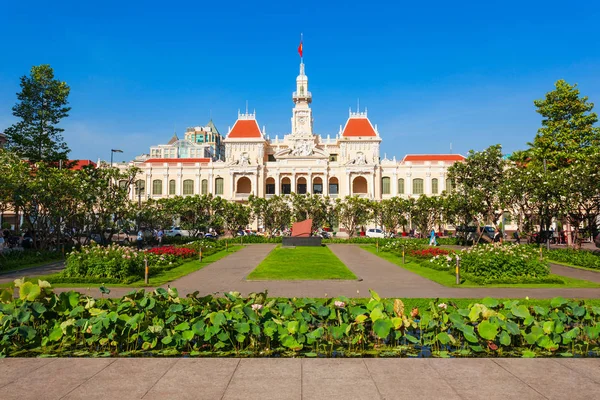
{"type": "Point", "coordinates": [303, 148]}
{"type": "Point", "coordinates": [359, 160]}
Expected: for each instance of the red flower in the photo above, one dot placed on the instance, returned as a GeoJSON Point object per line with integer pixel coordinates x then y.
{"type": "Point", "coordinates": [174, 251]}
{"type": "Point", "coordinates": [429, 252]}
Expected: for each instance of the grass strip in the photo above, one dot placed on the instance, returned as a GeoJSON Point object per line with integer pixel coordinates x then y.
{"type": "Point", "coordinates": [301, 263]}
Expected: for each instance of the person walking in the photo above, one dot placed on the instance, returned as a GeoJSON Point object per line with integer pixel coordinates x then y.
{"type": "Point", "coordinates": [159, 236]}
{"type": "Point", "coordinates": [140, 239]}
{"type": "Point", "coordinates": [498, 236]}
{"type": "Point", "coordinates": [517, 237]}
{"type": "Point", "coordinates": [432, 238]}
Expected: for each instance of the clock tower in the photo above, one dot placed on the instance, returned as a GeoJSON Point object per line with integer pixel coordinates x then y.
{"type": "Point", "coordinates": [302, 122]}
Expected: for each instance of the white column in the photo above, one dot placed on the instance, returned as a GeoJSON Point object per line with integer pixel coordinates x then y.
{"type": "Point", "coordinates": [232, 178]}
{"type": "Point", "coordinates": [427, 188]}
{"type": "Point", "coordinates": [394, 185]}
{"type": "Point", "coordinates": [326, 184]}
{"type": "Point", "coordinates": [408, 185]}
{"type": "Point", "coordinates": [197, 185]}
{"type": "Point", "coordinates": [374, 195]}
{"type": "Point", "coordinates": [179, 184]}
{"type": "Point", "coordinates": [294, 183]}
{"type": "Point", "coordinates": [277, 183]}
{"type": "Point", "coordinates": [309, 183]}
{"type": "Point", "coordinates": [255, 184]}
{"type": "Point", "coordinates": [210, 183]}
{"type": "Point", "coordinates": [349, 184]}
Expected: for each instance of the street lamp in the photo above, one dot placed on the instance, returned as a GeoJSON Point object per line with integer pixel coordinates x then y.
{"type": "Point", "coordinates": [112, 151]}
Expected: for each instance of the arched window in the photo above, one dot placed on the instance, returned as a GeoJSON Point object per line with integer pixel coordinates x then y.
{"type": "Point", "coordinates": [123, 184]}
{"type": "Point", "coordinates": [418, 186]}
{"type": "Point", "coordinates": [219, 186]}
{"type": "Point", "coordinates": [172, 186]}
{"type": "Point", "coordinates": [204, 186]}
{"type": "Point", "coordinates": [157, 186]}
{"type": "Point", "coordinates": [244, 186]}
{"type": "Point", "coordinates": [401, 186]}
{"type": "Point", "coordinates": [188, 186]}
{"type": "Point", "coordinates": [449, 185]}
{"type": "Point", "coordinates": [385, 185]}
{"type": "Point", "coordinates": [140, 187]}
{"type": "Point", "coordinates": [359, 185]}
{"type": "Point", "coordinates": [434, 186]}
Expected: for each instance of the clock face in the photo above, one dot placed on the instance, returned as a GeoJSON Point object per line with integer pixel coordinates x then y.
{"type": "Point", "coordinates": [301, 120]}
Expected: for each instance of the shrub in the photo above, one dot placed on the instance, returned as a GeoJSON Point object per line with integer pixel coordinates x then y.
{"type": "Point", "coordinates": [121, 263]}
{"type": "Point", "coordinates": [40, 321]}
{"type": "Point", "coordinates": [580, 258]}
{"type": "Point", "coordinates": [490, 263]}
{"type": "Point", "coordinates": [14, 259]}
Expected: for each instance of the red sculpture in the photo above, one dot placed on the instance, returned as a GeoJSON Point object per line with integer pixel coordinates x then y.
{"type": "Point", "coordinates": [302, 228]}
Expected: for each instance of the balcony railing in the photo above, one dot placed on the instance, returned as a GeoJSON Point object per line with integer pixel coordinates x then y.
{"type": "Point", "coordinates": [302, 95]}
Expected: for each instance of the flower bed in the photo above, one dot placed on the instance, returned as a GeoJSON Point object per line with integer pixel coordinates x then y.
{"type": "Point", "coordinates": [488, 264]}
{"type": "Point", "coordinates": [580, 258]}
{"type": "Point", "coordinates": [162, 323]}
{"type": "Point", "coordinates": [429, 253]}
{"type": "Point", "coordinates": [180, 252]}
{"type": "Point", "coordinates": [114, 263]}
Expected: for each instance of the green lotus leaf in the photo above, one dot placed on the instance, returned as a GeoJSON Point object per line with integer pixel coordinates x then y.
{"type": "Point", "coordinates": [376, 314]}
{"type": "Point", "coordinates": [504, 338]}
{"type": "Point", "coordinates": [28, 291]}
{"type": "Point", "coordinates": [382, 327]}
{"type": "Point", "coordinates": [558, 302]}
{"type": "Point", "coordinates": [488, 330]}
{"type": "Point", "coordinates": [443, 338]}
{"type": "Point", "coordinates": [520, 311]}
{"type": "Point", "coordinates": [490, 302]}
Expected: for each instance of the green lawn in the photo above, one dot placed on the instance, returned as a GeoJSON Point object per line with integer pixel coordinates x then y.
{"type": "Point", "coordinates": [301, 263]}
{"type": "Point", "coordinates": [155, 280]}
{"type": "Point", "coordinates": [444, 278]}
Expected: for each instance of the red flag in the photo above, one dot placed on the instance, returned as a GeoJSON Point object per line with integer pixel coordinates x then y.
{"type": "Point", "coordinates": [300, 49]}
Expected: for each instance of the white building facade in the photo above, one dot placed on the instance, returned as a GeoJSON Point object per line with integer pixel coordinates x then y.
{"type": "Point", "coordinates": [346, 164]}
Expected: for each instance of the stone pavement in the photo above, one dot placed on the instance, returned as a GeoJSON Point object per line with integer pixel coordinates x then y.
{"type": "Point", "coordinates": [279, 379]}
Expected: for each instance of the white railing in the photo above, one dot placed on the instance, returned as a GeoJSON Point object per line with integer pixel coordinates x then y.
{"type": "Point", "coordinates": [303, 95]}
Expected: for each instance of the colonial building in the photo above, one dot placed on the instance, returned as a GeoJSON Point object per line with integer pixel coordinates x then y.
{"type": "Point", "coordinates": [347, 163]}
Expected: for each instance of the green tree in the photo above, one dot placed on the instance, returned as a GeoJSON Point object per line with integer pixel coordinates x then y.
{"type": "Point", "coordinates": [237, 216]}
{"type": "Point", "coordinates": [478, 187]}
{"type": "Point", "coordinates": [353, 212]}
{"type": "Point", "coordinates": [568, 132]}
{"type": "Point", "coordinates": [42, 103]}
{"type": "Point", "coordinates": [426, 213]}
{"type": "Point", "coordinates": [311, 206]}
{"type": "Point", "coordinates": [273, 213]}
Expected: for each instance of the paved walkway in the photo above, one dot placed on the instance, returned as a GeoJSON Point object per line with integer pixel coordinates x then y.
{"type": "Point", "coordinates": [576, 273]}
{"type": "Point", "coordinates": [10, 276]}
{"type": "Point", "coordinates": [386, 278]}
{"type": "Point", "coordinates": [280, 379]}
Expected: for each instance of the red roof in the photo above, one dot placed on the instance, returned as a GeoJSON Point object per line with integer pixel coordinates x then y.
{"type": "Point", "coordinates": [177, 160]}
{"type": "Point", "coordinates": [245, 128]}
{"type": "Point", "coordinates": [358, 126]}
{"type": "Point", "coordinates": [433, 157]}
{"type": "Point", "coordinates": [79, 164]}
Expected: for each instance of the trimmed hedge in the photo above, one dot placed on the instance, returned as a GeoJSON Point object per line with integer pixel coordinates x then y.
{"type": "Point", "coordinates": [580, 258]}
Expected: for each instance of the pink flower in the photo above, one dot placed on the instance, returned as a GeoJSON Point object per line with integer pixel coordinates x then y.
{"type": "Point", "coordinates": [256, 306]}
{"type": "Point", "coordinates": [339, 304]}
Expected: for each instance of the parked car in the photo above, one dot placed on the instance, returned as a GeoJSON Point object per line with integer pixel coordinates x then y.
{"type": "Point", "coordinates": [375, 233]}
{"type": "Point", "coordinates": [211, 235]}
{"type": "Point", "coordinates": [176, 231]}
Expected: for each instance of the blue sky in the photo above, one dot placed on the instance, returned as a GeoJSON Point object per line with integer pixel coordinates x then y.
{"type": "Point", "coordinates": [430, 73]}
